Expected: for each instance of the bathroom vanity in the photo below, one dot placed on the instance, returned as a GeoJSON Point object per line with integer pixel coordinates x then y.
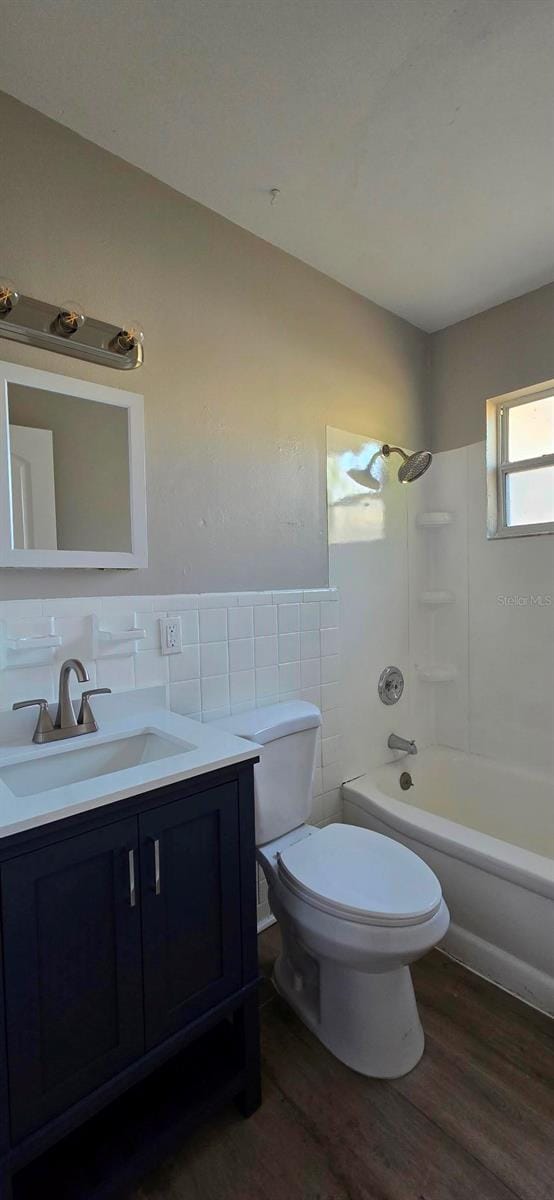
{"type": "Point", "coordinates": [129, 996]}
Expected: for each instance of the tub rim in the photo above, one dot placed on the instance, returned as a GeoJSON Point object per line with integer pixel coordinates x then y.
{"type": "Point", "coordinates": [524, 867]}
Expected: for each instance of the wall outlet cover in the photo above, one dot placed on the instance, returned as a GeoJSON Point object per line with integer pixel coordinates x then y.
{"type": "Point", "coordinates": [171, 635]}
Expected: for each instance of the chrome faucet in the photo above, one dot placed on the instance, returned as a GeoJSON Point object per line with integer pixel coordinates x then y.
{"type": "Point", "coordinates": [399, 743]}
{"type": "Point", "coordinates": [66, 724]}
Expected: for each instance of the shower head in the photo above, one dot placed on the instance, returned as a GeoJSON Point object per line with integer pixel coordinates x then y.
{"type": "Point", "coordinates": [413, 466]}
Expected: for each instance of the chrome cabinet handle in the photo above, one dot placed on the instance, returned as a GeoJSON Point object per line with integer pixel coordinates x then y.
{"type": "Point", "coordinates": [132, 888]}
{"type": "Point", "coordinates": [157, 882]}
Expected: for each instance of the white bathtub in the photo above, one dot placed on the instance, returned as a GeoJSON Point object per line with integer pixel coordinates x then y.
{"type": "Point", "coordinates": [488, 833]}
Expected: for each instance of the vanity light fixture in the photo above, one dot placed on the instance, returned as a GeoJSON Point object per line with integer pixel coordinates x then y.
{"type": "Point", "coordinates": [65, 329]}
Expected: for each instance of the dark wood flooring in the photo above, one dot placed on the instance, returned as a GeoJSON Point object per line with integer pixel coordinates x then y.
{"type": "Point", "coordinates": [473, 1121]}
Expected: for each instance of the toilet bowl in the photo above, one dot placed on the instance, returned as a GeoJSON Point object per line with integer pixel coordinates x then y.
{"type": "Point", "coordinates": [349, 935]}
{"type": "Point", "coordinates": [355, 908]}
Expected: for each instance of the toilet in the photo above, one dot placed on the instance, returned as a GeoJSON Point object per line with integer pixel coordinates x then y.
{"type": "Point", "coordinates": [355, 908]}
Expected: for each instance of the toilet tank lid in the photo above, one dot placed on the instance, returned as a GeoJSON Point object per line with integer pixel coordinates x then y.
{"type": "Point", "coordinates": [264, 725]}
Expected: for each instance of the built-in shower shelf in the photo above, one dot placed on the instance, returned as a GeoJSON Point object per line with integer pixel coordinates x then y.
{"type": "Point", "coordinates": [436, 598]}
{"type": "Point", "coordinates": [436, 674]}
{"type": "Point", "coordinates": [434, 520]}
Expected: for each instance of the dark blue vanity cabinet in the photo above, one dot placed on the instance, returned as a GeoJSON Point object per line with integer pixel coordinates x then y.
{"type": "Point", "coordinates": [129, 984]}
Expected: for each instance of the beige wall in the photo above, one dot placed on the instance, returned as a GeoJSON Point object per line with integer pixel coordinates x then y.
{"type": "Point", "coordinates": [249, 354]}
{"type": "Point", "coordinates": [500, 350]}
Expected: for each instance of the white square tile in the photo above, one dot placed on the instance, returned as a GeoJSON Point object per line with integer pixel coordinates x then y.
{"type": "Point", "coordinates": [217, 600]}
{"type": "Point", "coordinates": [214, 658]}
{"type": "Point", "coordinates": [289, 677]}
{"type": "Point", "coordinates": [215, 692]}
{"type": "Point", "coordinates": [332, 722]}
{"type": "Point", "coordinates": [331, 696]}
{"type": "Point", "coordinates": [150, 668]}
{"type": "Point", "coordinates": [329, 642]}
{"type": "Point", "coordinates": [312, 695]}
{"type": "Point", "coordinates": [213, 625]}
{"type": "Point", "coordinates": [310, 672]}
{"type": "Point", "coordinates": [241, 654]}
{"type": "Point", "coordinates": [185, 665]}
{"type": "Point", "coordinates": [216, 714]}
{"type": "Point", "coordinates": [184, 697]}
{"type": "Point", "coordinates": [312, 595]}
{"type": "Point", "coordinates": [265, 620]}
{"type": "Point", "coordinates": [333, 776]}
{"type": "Point", "coordinates": [330, 669]}
{"type": "Point", "coordinates": [76, 635]}
{"type": "Point", "coordinates": [330, 750]}
{"type": "Point", "coordinates": [289, 648]}
{"type": "Point", "coordinates": [310, 643]}
{"type": "Point", "coordinates": [242, 687]}
{"type": "Point", "coordinates": [287, 597]}
{"type": "Point", "coordinates": [70, 606]}
{"type": "Point", "coordinates": [329, 614]}
{"type": "Point", "coordinates": [267, 682]}
{"type": "Point", "coordinates": [265, 651]}
{"type": "Point", "coordinates": [241, 622]}
{"type": "Point", "coordinates": [331, 805]}
{"type": "Point", "coordinates": [309, 616]}
{"type": "Point", "coordinates": [116, 673]}
{"type": "Point", "coordinates": [288, 616]}
{"type": "Point", "coordinates": [254, 598]}
{"type": "Point", "coordinates": [26, 684]}
{"type": "Point", "coordinates": [317, 782]}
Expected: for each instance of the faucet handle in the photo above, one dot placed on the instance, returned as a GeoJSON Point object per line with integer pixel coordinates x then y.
{"type": "Point", "coordinates": [86, 715]}
{"type": "Point", "coordinates": [44, 724]}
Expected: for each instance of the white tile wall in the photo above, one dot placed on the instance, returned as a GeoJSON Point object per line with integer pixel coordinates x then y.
{"type": "Point", "coordinates": [240, 650]}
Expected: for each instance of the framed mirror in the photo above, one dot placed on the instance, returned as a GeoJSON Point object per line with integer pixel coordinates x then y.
{"type": "Point", "coordinates": [72, 472]}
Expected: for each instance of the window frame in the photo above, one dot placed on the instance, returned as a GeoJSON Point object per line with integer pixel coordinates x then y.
{"type": "Point", "coordinates": [499, 466]}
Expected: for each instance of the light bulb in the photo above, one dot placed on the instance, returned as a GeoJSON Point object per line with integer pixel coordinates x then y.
{"type": "Point", "coordinates": [135, 333]}
{"type": "Point", "coordinates": [70, 317]}
{"type": "Point", "coordinates": [8, 295]}
{"type": "Point", "coordinates": [127, 339]}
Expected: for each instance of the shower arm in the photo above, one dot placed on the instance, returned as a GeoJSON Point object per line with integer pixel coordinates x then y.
{"type": "Point", "coordinates": [386, 450]}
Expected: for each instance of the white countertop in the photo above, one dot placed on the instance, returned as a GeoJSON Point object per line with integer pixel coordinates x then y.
{"type": "Point", "coordinates": [117, 717]}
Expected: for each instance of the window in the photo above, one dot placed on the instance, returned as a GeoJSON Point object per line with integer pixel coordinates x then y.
{"type": "Point", "coordinates": [520, 463]}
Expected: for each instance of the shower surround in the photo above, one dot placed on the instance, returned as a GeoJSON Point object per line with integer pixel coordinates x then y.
{"type": "Point", "coordinates": [470, 622]}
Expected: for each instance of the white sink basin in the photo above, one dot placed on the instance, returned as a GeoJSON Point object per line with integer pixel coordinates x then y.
{"type": "Point", "coordinates": [87, 762]}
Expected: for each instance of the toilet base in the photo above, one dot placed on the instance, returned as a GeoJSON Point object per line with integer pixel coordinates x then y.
{"type": "Point", "coordinates": [370, 1022]}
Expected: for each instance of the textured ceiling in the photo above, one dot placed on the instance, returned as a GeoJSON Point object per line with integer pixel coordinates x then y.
{"type": "Point", "coordinates": [411, 140]}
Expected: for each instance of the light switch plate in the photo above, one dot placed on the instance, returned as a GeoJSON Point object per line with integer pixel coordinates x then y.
{"type": "Point", "coordinates": [171, 635]}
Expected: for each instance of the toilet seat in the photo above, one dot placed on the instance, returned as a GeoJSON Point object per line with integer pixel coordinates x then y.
{"type": "Point", "coordinates": [360, 876]}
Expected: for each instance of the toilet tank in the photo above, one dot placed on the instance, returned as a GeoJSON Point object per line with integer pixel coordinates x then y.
{"type": "Point", "coordinates": [283, 777]}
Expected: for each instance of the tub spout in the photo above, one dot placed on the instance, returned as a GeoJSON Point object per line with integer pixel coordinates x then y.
{"type": "Point", "coordinates": [399, 743]}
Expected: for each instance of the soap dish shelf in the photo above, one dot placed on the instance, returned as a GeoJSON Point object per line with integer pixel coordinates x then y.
{"type": "Point", "coordinates": [437, 674]}
{"type": "Point", "coordinates": [27, 650]}
{"type": "Point", "coordinates": [114, 643]}
{"type": "Point", "coordinates": [434, 520]}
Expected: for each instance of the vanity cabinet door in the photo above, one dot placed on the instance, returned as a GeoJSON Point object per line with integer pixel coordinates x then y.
{"type": "Point", "coordinates": [72, 963]}
{"type": "Point", "coordinates": [190, 871]}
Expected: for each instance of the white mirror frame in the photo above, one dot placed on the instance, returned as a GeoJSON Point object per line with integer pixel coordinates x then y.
{"type": "Point", "coordinates": [134, 403]}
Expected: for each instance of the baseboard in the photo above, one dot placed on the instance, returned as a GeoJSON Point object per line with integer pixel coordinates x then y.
{"type": "Point", "coordinates": [519, 978]}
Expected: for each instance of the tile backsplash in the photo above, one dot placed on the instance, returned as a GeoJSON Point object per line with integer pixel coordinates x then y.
{"type": "Point", "coordinates": [240, 650]}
